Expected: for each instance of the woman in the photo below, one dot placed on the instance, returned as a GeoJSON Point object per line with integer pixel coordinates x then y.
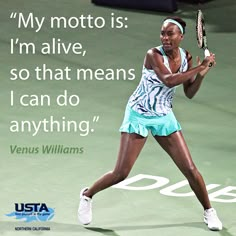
{"type": "Point", "coordinates": [150, 109]}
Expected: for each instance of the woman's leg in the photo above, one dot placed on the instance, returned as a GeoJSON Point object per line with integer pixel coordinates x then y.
{"type": "Point", "coordinates": [175, 145]}
{"type": "Point", "coordinates": [130, 147]}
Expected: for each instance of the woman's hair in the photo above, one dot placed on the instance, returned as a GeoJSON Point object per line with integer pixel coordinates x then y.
{"type": "Point", "coordinates": [179, 20]}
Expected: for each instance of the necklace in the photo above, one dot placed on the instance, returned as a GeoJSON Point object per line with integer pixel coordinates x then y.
{"type": "Point", "coordinates": [175, 60]}
{"type": "Point", "coordinates": [174, 57]}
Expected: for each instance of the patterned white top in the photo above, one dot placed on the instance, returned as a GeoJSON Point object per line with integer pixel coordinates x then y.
{"type": "Point", "coordinates": [152, 97]}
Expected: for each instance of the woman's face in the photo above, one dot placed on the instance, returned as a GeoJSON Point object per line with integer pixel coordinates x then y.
{"type": "Point", "coordinates": [170, 36]}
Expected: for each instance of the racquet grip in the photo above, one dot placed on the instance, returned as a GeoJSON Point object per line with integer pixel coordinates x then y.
{"type": "Point", "coordinates": [207, 54]}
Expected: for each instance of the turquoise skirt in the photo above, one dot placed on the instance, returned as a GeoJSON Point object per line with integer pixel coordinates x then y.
{"type": "Point", "coordinates": [158, 125]}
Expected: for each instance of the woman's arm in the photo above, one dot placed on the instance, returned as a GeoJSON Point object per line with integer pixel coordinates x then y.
{"type": "Point", "coordinates": [154, 61]}
{"type": "Point", "coordinates": [192, 86]}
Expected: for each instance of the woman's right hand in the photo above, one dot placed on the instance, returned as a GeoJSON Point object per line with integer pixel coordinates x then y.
{"type": "Point", "coordinates": [208, 61]}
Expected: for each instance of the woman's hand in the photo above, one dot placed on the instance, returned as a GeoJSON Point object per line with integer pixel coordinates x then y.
{"type": "Point", "coordinates": [208, 62]}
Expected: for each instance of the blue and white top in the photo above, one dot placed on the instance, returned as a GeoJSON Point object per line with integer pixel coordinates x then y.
{"type": "Point", "coordinates": [152, 97]}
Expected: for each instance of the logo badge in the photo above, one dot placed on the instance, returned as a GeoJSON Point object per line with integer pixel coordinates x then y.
{"type": "Point", "coordinates": [30, 212]}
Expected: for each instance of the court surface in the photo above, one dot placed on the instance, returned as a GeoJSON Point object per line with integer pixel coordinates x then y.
{"type": "Point", "coordinates": [208, 122]}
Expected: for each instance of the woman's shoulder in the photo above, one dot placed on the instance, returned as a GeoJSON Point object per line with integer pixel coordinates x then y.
{"type": "Point", "coordinates": [153, 57]}
{"type": "Point", "coordinates": [155, 50]}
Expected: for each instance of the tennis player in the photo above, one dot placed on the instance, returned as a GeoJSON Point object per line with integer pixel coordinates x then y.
{"type": "Point", "coordinates": [149, 109]}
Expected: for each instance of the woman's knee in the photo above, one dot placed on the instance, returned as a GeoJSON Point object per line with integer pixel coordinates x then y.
{"type": "Point", "coordinates": [191, 172]}
{"type": "Point", "coordinates": [119, 176]}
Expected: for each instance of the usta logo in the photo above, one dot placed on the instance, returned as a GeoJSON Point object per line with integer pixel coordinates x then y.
{"type": "Point", "coordinates": [28, 207]}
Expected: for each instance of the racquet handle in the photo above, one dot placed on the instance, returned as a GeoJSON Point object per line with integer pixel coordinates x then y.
{"type": "Point", "coordinates": [207, 54]}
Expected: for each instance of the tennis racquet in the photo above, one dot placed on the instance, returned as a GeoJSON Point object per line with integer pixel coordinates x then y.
{"type": "Point", "coordinates": [201, 34]}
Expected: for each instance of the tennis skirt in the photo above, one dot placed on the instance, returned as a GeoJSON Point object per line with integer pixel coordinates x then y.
{"type": "Point", "coordinates": [158, 125]}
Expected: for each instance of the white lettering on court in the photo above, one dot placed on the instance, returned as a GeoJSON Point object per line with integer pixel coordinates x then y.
{"type": "Point", "coordinates": [224, 195]}
{"type": "Point", "coordinates": [159, 181]}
